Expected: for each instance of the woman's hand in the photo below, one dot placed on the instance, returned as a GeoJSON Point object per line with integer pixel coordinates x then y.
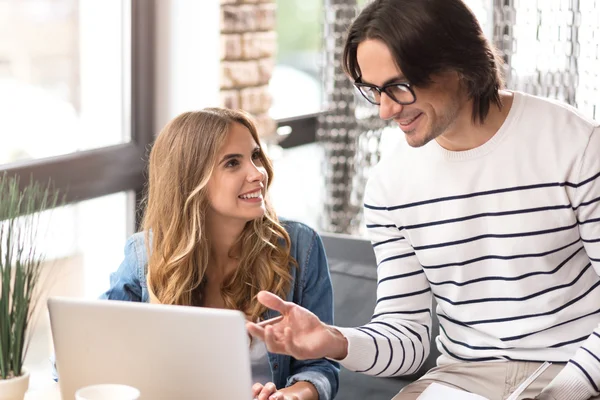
{"type": "Point", "coordinates": [260, 392]}
{"type": "Point", "coordinates": [269, 392]}
{"type": "Point", "coordinates": [298, 391]}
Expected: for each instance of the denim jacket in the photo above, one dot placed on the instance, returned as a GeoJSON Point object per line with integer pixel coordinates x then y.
{"type": "Point", "coordinates": [311, 288]}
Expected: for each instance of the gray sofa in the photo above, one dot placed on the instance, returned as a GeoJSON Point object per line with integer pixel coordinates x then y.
{"type": "Point", "coordinates": [354, 276]}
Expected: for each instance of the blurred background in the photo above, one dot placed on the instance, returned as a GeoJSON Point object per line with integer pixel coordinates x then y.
{"type": "Point", "coordinates": [86, 84]}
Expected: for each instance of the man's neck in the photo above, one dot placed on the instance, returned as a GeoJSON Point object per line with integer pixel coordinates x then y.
{"type": "Point", "coordinates": [466, 134]}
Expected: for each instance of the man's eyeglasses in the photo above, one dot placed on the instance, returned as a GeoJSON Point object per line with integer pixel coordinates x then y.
{"type": "Point", "coordinates": [401, 93]}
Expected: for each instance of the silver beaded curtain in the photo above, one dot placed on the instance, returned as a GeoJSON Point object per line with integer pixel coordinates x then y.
{"type": "Point", "coordinates": [349, 130]}
{"type": "Point", "coordinates": [551, 48]}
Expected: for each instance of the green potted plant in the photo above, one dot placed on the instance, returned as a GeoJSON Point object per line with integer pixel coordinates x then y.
{"type": "Point", "coordinates": [20, 270]}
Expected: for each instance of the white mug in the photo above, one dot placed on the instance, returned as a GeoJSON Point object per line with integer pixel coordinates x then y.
{"type": "Point", "coordinates": [107, 392]}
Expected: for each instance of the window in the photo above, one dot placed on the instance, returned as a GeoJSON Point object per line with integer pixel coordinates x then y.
{"type": "Point", "coordinates": [63, 77]}
{"type": "Point", "coordinates": [296, 83]}
{"type": "Point", "coordinates": [76, 93]}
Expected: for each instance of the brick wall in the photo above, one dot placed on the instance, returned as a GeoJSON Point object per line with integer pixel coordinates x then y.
{"type": "Point", "coordinates": [248, 46]}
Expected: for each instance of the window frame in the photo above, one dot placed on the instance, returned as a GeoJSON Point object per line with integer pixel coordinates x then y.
{"type": "Point", "coordinates": [303, 129]}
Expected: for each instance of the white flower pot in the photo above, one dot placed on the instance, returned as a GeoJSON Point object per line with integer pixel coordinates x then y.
{"type": "Point", "coordinates": [14, 388]}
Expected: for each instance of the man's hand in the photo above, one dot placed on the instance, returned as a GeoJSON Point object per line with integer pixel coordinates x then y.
{"type": "Point", "coordinates": [300, 333]}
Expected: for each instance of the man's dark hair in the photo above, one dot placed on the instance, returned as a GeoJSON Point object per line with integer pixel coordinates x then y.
{"type": "Point", "coordinates": [427, 37]}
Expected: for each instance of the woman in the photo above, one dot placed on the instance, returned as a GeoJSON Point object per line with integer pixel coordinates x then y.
{"type": "Point", "coordinates": [211, 239]}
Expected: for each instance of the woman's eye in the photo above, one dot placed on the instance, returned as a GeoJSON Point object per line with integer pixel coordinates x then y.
{"type": "Point", "coordinates": [231, 163]}
{"type": "Point", "coordinates": [257, 158]}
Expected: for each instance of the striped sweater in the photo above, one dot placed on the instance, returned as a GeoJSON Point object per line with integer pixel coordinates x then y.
{"type": "Point", "coordinates": [505, 237]}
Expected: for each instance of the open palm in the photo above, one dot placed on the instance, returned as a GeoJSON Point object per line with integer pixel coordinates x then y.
{"type": "Point", "coordinates": [299, 334]}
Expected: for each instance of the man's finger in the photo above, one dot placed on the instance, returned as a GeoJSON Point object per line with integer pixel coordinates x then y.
{"type": "Point", "coordinates": [274, 345]}
{"type": "Point", "coordinates": [270, 321]}
{"type": "Point", "coordinates": [269, 339]}
{"type": "Point", "coordinates": [273, 302]}
{"type": "Point", "coordinates": [255, 330]}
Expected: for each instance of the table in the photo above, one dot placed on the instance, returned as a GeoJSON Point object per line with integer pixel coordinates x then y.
{"type": "Point", "coordinates": [50, 392]}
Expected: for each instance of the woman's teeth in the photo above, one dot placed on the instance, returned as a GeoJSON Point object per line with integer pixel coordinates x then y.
{"type": "Point", "coordinates": [251, 195]}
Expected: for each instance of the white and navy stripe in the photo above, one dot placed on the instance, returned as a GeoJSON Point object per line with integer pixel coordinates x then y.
{"type": "Point", "coordinates": [505, 238]}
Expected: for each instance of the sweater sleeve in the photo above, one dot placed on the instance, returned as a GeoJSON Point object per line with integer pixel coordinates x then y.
{"type": "Point", "coordinates": [580, 379]}
{"type": "Point", "coordinates": [396, 340]}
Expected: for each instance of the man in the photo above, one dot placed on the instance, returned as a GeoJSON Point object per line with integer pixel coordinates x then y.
{"type": "Point", "coordinates": [493, 209]}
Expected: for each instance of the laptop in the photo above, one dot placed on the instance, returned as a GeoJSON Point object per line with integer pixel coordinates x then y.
{"type": "Point", "coordinates": [167, 352]}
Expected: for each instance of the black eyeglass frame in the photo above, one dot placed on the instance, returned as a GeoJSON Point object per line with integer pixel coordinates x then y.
{"type": "Point", "coordinates": [383, 89]}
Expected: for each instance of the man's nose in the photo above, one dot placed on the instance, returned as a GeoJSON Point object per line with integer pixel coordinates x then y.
{"type": "Point", "coordinates": [388, 107]}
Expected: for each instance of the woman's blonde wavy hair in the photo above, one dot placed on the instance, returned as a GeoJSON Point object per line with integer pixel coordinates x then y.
{"type": "Point", "coordinates": [181, 163]}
